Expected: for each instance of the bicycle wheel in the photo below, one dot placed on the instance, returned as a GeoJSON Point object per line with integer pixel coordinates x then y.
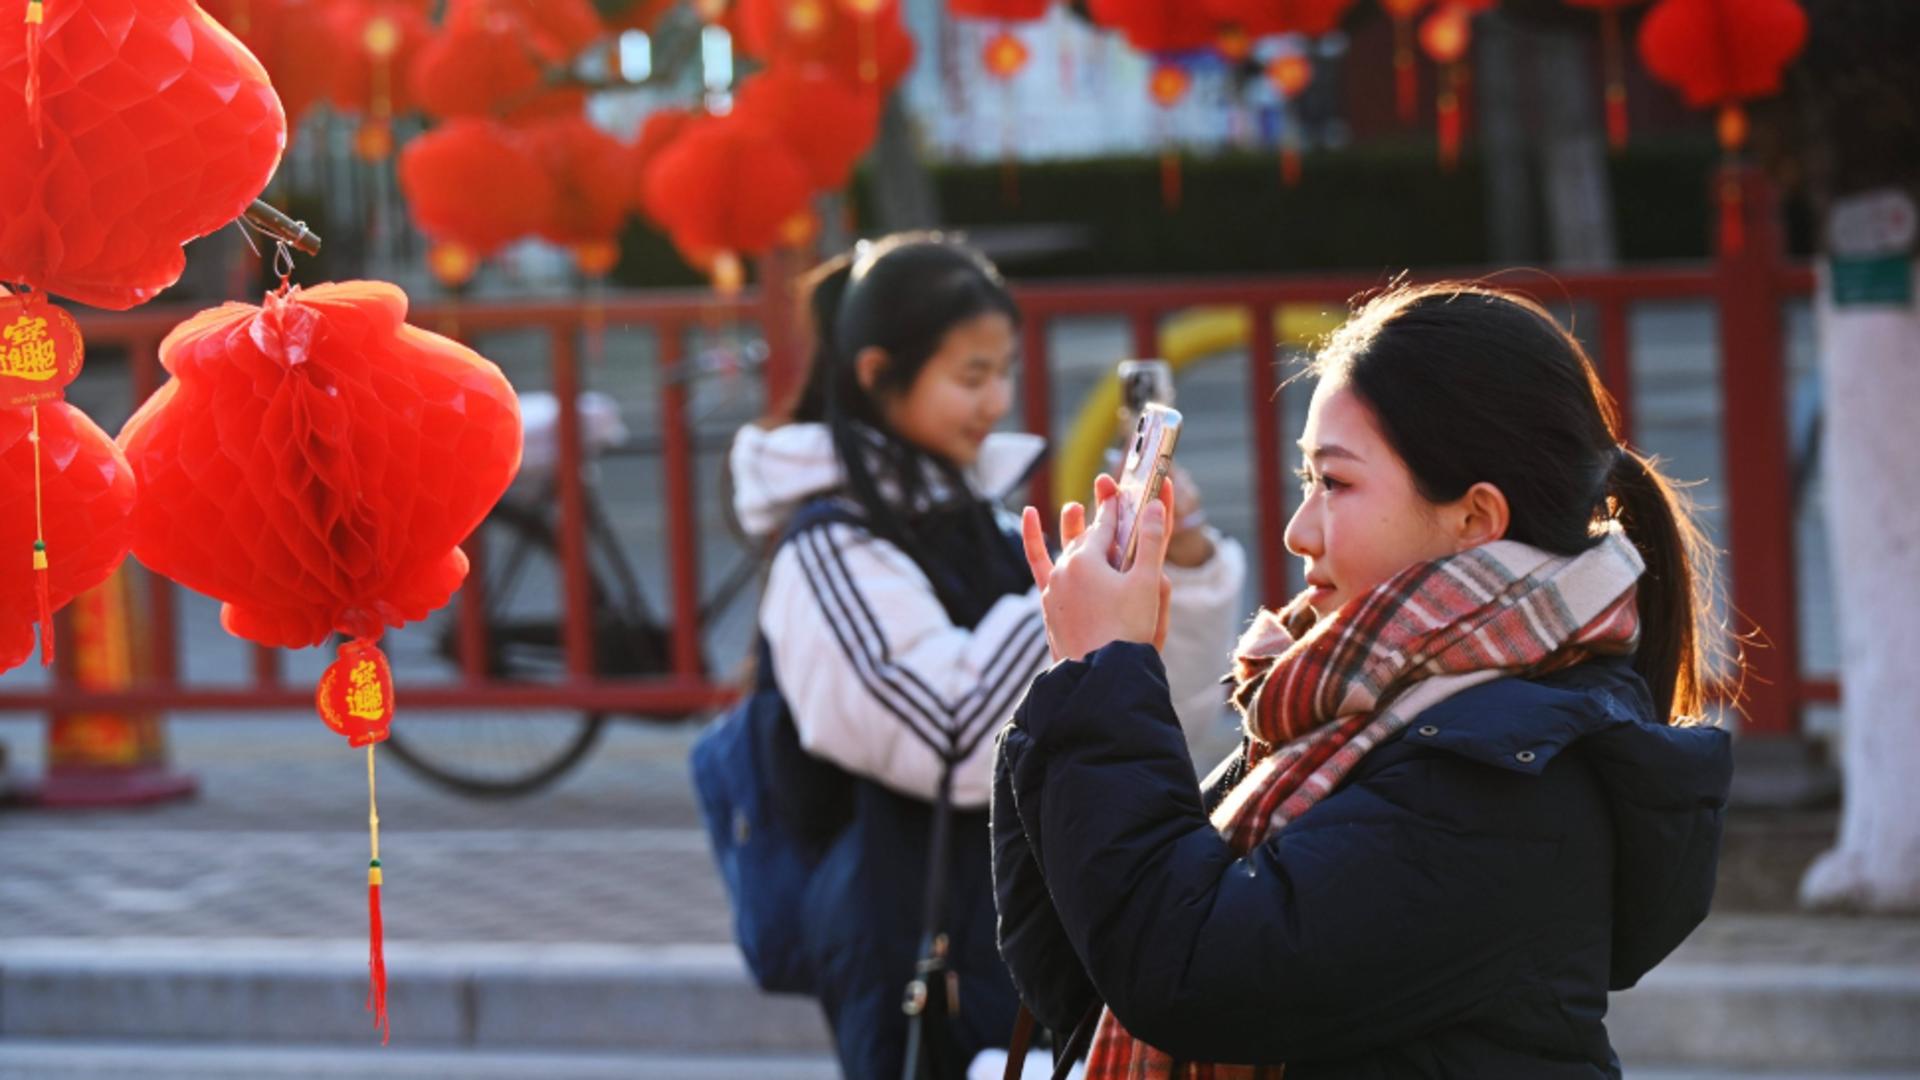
{"type": "Point", "coordinates": [494, 755]}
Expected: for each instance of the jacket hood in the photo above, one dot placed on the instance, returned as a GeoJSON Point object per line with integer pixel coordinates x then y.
{"type": "Point", "coordinates": [776, 469]}
{"type": "Point", "coordinates": [1666, 787]}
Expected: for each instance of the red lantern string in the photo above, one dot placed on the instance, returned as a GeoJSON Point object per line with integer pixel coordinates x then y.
{"type": "Point", "coordinates": [355, 699]}
{"type": "Point", "coordinates": [36, 35]}
{"type": "Point", "coordinates": [42, 586]}
{"type": "Point", "coordinates": [1406, 84]}
{"type": "Point", "coordinates": [1611, 52]}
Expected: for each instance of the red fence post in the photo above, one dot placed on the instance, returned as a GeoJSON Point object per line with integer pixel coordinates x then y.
{"type": "Point", "coordinates": [1754, 434]}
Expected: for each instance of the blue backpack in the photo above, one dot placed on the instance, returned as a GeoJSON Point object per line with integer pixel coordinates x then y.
{"type": "Point", "coordinates": [771, 811]}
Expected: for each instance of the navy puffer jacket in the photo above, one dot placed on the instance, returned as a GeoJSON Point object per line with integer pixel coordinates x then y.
{"type": "Point", "coordinates": [1459, 907]}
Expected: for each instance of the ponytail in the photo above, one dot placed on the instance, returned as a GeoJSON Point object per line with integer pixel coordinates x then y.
{"type": "Point", "coordinates": [1673, 651]}
{"type": "Point", "coordinates": [825, 287]}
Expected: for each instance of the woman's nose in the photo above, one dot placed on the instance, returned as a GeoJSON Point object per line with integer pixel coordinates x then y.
{"type": "Point", "coordinates": [1303, 530]}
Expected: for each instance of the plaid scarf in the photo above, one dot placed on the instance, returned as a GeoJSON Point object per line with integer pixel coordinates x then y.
{"type": "Point", "coordinates": [1318, 695]}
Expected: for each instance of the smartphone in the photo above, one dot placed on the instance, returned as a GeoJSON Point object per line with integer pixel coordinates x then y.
{"type": "Point", "coordinates": [1148, 463]}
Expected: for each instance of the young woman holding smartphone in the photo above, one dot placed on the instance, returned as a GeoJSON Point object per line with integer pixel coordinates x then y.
{"type": "Point", "coordinates": [1474, 795]}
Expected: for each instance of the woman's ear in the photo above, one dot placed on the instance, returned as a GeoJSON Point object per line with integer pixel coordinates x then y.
{"type": "Point", "coordinates": [869, 365]}
{"type": "Point", "coordinates": [1483, 516]}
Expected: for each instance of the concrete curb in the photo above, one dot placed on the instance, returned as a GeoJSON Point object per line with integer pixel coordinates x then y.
{"type": "Point", "coordinates": [1771, 1016]}
{"type": "Point", "coordinates": [699, 1000]}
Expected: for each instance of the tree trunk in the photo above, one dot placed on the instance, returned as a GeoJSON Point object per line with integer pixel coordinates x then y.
{"type": "Point", "coordinates": [1511, 235]}
{"type": "Point", "coordinates": [1870, 378]}
{"type": "Point", "coordinates": [903, 194]}
{"type": "Point", "coordinates": [1573, 150]}
{"type": "Point", "coordinates": [1856, 93]}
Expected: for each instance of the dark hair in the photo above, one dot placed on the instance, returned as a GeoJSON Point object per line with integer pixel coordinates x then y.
{"type": "Point", "coordinates": [1471, 384]}
{"type": "Point", "coordinates": [902, 295]}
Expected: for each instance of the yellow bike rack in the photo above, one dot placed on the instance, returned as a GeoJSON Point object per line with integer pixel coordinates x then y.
{"type": "Point", "coordinates": [1190, 337]}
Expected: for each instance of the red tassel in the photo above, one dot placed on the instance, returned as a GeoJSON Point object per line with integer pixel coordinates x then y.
{"type": "Point", "coordinates": [36, 31]}
{"type": "Point", "coordinates": [1448, 124]}
{"type": "Point", "coordinates": [43, 591]}
{"type": "Point", "coordinates": [376, 956]}
{"type": "Point", "coordinates": [1406, 84]}
{"type": "Point", "coordinates": [1616, 116]}
{"type": "Point", "coordinates": [1170, 179]}
{"type": "Point", "coordinates": [1610, 49]}
{"type": "Point", "coordinates": [1733, 218]}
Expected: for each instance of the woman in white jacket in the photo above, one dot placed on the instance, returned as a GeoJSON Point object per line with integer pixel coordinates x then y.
{"type": "Point", "coordinates": [903, 625]}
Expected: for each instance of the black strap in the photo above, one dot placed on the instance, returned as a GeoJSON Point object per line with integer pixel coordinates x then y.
{"type": "Point", "coordinates": [927, 1004]}
{"type": "Point", "coordinates": [1068, 1052]}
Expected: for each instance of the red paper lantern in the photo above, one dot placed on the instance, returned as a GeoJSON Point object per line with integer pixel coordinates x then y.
{"type": "Point", "coordinates": [66, 493]}
{"type": "Point", "coordinates": [826, 123]}
{"type": "Point", "coordinates": [87, 497]}
{"type": "Point", "coordinates": [315, 462]}
{"type": "Point", "coordinates": [590, 172]}
{"type": "Point", "coordinates": [1004, 10]}
{"type": "Point", "coordinates": [869, 49]}
{"type": "Point", "coordinates": [1722, 52]}
{"type": "Point", "coordinates": [377, 42]}
{"type": "Point", "coordinates": [1264, 18]}
{"type": "Point", "coordinates": [474, 185]}
{"type": "Point", "coordinates": [489, 61]}
{"type": "Point", "coordinates": [724, 189]}
{"type": "Point", "coordinates": [1156, 26]}
{"type": "Point", "coordinates": [136, 126]}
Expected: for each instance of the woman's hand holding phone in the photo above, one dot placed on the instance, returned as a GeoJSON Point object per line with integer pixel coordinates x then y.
{"type": "Point", "coordinates": [1086, 602]}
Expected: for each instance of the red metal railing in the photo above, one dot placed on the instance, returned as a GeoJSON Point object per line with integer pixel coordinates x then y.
{"type": "Point", "coordinates": [1748, 289]}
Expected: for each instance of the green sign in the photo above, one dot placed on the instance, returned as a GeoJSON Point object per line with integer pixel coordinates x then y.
{"type": "Point", "coordinates": [1860, 281]}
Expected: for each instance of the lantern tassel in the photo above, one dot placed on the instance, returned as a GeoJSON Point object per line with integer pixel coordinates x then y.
{"type": "Point", "coordinates": [36, 33]}
{"type": "Point", "coordinates": [1448, 123]}
{"type": "Point", "coordinates": [1733, 218]}
{"type": "Point", "coordinates": [1616, 80]}
{"type": "Point", "coordinates": [42, 585]}
{"type": "Point", "coordinates": [1405, 79]}
{"type": "Point", "coordinates": [376, 934]}
{"type": "Point", "coordinates": [1290, 163]}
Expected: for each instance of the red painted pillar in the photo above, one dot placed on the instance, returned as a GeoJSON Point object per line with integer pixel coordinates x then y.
{"type": "Point", "coordinates": [1754, 430]}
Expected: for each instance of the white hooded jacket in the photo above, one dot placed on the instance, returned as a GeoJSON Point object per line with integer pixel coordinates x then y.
{"type": "Point", "coordinates": [879, 679]}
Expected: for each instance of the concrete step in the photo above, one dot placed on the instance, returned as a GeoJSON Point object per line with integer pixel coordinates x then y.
{"type": "Point", "coordinates": [697, 1000]}
{"type": "Point", "coordinates": [70, 1060]}
{"type": "Point", "coordinates": [673, 999]}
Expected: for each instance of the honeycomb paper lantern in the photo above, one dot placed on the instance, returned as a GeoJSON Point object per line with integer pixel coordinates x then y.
{"type": "Point", "coordinates": [87, 497]}
{"type": "Point", "coordinates": [314, 462]}
{"type": "Point", "coordinates": [827, 123]}
{"type": "Point", "coordinates": [151, 125]}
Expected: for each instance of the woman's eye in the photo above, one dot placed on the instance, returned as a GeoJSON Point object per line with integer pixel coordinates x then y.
{"type": "Point", "coordinates": [1307, 480]}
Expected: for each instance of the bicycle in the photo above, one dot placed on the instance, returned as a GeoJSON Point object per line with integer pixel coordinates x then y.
{"type": "Point", "coordinates": [499, 756]}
